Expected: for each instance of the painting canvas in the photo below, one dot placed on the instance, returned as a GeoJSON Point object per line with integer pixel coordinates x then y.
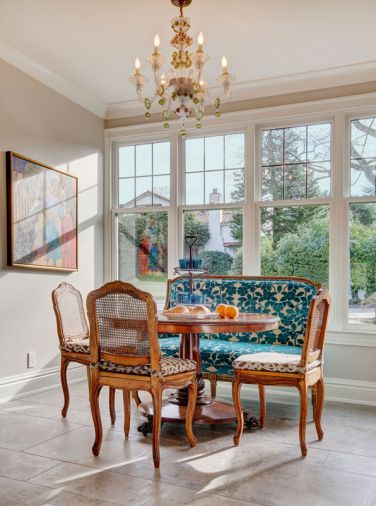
{"type": "Point", "coordinates": [42, 215]}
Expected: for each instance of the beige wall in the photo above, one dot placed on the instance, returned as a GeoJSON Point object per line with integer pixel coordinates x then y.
{"type": "Point", "coordinates": [41, 124]}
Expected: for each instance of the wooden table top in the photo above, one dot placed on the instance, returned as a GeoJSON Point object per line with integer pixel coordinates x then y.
{"type": "Point", "coordinates": [245, 322]}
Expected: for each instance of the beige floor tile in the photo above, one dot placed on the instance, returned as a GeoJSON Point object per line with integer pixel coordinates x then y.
{"type": "Point", "coordinates": [98, 484]}
{"type": "Point", "coordinates": [281, 484]}
{"type": "Point", "coordinates": [21, 466]}
{"type": "Point", "coordinates": [76, 447]}
{"type": "Point", "coordinates": [18, 432]}
{"type": "Point", "coordinates": [18, 493]}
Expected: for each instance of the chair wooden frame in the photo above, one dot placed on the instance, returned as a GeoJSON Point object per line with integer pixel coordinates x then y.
{"type": "Point", "coordinates": [155, 383]}
{"type": "Point", "coordinates": [312, 350]}
{"type": "Point", "coordinates": [79, 357]}
{"type": "Point", "coordinates": [213, 378]}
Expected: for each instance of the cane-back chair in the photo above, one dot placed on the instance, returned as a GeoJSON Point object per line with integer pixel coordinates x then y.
{"type": "Point", "coordinates": [126, 355]}
{"type": "Point", "coordinates": [301, 371]}
{"type": "Point", "coordinates": [73, 333]}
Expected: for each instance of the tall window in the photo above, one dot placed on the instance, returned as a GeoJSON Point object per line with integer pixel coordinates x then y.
{"type": "Point", "coordinates": [142, 225]}
{"type": "Point", "coordinates": [295, 171]}
{"type": "Point", "coordinates": [214, 177]}
{"type": "Point", "coordinates": [362, 213]}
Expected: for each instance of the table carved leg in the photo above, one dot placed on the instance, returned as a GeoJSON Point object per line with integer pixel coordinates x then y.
{"type": "Point", "coordinates": [190, 348]}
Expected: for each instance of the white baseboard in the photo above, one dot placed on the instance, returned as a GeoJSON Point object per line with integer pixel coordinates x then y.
{"type": "Point", "coordinates": [336, 389]}
{"type": "Point", "coordinates": [22, 385]}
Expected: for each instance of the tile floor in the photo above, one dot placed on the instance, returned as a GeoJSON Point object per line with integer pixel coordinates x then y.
{"type": "Point", "coordinates": [45, 460]}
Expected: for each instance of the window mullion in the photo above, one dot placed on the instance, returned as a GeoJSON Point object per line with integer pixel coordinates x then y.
{"type": "Point", "coordinates": [338, 227]}
{"type": "Point", "coordinates": [251, 254]}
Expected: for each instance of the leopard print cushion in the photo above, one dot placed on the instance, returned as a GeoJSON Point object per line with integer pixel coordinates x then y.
{"type": "Point", "coordinates": [169, 366]}
{"type": "Point", "coordinates": [274, 362]}
{"type": "Point", "coordinates": [81, 346]}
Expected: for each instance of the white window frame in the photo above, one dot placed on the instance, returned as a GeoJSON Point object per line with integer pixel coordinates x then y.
{"type": "Point", "coordinates": [338, 111]}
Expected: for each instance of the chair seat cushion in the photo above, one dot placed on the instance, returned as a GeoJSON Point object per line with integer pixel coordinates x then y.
{"type": "Point", "coordinates": [78, 346]}
{"type": "Point", "coordinates": [273, 362]}
{"type": "Point", "coordinates": [169, 366]}
{"type": "Point", "coordinates": [217, 356]}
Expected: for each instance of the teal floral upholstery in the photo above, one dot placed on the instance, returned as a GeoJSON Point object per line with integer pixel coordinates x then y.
{"type": "Point", "coordinates": [217, 356]}
{"type": "Point", "coordinates": [287, 298]}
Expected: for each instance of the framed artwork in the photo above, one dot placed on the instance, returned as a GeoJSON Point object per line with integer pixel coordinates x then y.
{"type": "Point", "coordinates": [42, 215]}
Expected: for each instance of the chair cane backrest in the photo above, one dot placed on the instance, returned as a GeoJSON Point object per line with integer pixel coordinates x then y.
{"type": "Point", "coordinates": [124, 326]}
{"type": "Point", "coordinates": [70, 313]}
{"type": "Point", "coordinates": [316, 327]}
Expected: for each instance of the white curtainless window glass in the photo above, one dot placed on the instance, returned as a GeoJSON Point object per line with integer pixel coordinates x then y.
{"type": "Point", "coordinates": [214, 164]}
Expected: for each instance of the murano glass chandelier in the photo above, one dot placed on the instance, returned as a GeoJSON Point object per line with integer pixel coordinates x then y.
{"type": "Point", "coordinates": [183, 91]}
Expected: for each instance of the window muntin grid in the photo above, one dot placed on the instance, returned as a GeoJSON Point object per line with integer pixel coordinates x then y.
{"type": "Point", "coordinates": [144, 175]}
{"type": "Point", "coordinates": [363, 157]}
{"type": "Point", "coordinates": [214, 165]}
{"type": "Point", "coordinates": [296, 162]}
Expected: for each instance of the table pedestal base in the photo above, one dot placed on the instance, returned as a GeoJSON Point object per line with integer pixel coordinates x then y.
{"type": "Point", "coordinates": [213, 412]}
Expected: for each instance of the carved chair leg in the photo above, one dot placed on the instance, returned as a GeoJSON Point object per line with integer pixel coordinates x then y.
{"type": "Point", "coordinates": [127, 411]}
{"type": "Point", "coordinates": [262, 405]}
{"type": "Point", "coordinates": [136, 397]}
{"type": "Point", "coordinates": [64, 385]}
{"type": "Point", "coordinates": [236, 385]}
{"type": "Point", "coordinates": [213, 385]}
{"type": "Point", "coordinates": [303, 417]}
{"type": "Point", "coordinates": [313, 398]}
{"type": "Point", "coordinates": [192, 396]}
{"type": "Point", "coordinates": [88, 375]}
{"type": "Point", "coordinates": [95, 389]}
{"type": "Point", "coordinates": [111, 401]}
{"type": "Point", "coordinates": [156, 394]}
{"type": "Point", "coordinates": [318, 407]}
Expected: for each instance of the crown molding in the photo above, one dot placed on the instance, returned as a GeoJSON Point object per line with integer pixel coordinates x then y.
{"type": "Point", "coordinates": [41, 73]}
{"type": "Point", "coordinates": [281, 85]}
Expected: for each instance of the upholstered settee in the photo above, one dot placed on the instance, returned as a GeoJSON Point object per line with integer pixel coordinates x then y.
{"type": "Point", "coordinates": [287, 297]}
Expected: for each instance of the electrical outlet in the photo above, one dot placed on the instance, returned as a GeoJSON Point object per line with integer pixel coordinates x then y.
{"type": "Point", "coordinates": [31, 359]}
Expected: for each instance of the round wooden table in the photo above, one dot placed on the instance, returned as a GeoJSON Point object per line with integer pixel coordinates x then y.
{"type": "Point", "coordinates": [208, 410]}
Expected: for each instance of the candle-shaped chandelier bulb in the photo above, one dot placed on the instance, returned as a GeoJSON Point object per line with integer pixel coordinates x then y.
{"type": "Point", "coordinates": [183, 91]}
{"type": "Point", "coordinates": [157, 42]}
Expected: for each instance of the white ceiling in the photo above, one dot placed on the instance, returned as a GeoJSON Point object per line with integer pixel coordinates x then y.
{"type": "Point", "coordinates": [85, 49]}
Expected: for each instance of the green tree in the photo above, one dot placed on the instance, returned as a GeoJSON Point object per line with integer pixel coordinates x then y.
{"type": "Point", "coordinates": [216, 262]}
{"type": "Point", "coordinates": [302, 253]}
{"type": "Point", "coordinates": [237, 263]}
{"type": "Point", "coordinates": [193, 226]}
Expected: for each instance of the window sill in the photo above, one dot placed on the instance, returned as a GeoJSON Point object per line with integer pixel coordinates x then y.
{"type": "Point", "coordinates": [354, 337]}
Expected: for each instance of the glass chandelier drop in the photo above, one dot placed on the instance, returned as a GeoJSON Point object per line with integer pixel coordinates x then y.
{"type": "Point", "coordinates": [183, 91]}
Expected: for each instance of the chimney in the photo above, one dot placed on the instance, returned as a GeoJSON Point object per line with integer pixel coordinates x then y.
{"type": "Point", "coordinates": [215, 197]}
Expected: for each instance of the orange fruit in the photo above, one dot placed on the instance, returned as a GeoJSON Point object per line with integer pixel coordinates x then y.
{"type": "Point", "coordinates": [221, 309]}
{"type": "Point", "coordinates": [232, 312]}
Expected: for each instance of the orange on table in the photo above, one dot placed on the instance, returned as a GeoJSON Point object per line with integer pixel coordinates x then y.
{"type": "Point", "coordinates": [221, 309]}
{"type": "Point", "coordinates": [232, 312]}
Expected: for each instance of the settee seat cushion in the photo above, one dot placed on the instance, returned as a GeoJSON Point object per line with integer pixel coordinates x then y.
{"type": "Point", "coordinates": [273, 362]}
{"type": "Point", "coordinates": [217, 356]}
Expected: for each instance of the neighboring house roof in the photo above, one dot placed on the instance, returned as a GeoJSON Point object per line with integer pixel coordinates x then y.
{"type": "Point", "coordinates": [148, 193]}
